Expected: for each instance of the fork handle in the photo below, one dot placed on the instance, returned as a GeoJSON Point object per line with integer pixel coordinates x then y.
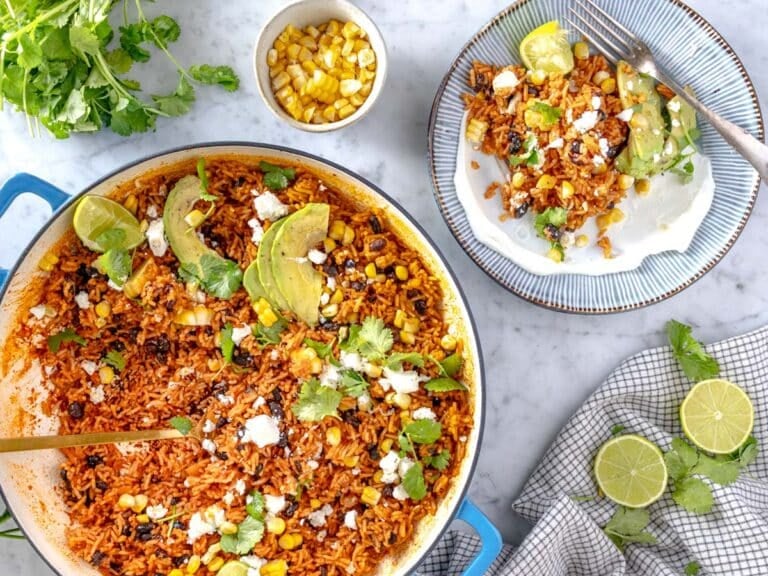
{"type": "Point", "coordinates": [754, 151]}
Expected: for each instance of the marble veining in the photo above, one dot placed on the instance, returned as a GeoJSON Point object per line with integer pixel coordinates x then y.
{"type": "Point", "coordinates": [540, 364]}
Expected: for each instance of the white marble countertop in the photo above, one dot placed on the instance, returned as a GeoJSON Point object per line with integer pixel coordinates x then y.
{"type": "Point", "coordinates": [540, 364]}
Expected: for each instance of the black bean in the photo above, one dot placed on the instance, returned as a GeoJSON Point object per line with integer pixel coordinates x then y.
{"type": "Point", "coordinates": [180, 560]}
{"type": "Point", "coordinates": [356, 285]}
{"type": "Point", "coordinates": [170, 305]}
{"type": "Point", "coordinates": [160, 553]}
{"type": "Point", "coordinates": [276, 409]}
{"type": "Point", "coordinates": [101, 485]}
{"type": "Point", "coordinates": [179, 525]}
{"type": "Point", "coordinates": [412, 293]}
{"type": "Point", "coordinates": [88, 499]}
{"type": "Point", "coordinates": [323, 571]}
{"type": "Point", "coordinates": [133, 334]}
{"type": "Point", "coordinates": [373, 451]}
{"type": "Point", "coordinates": [283, 442]}
{"type": "Point", "coordinates": [331, 269]}
{"type": "Point", "coordinates": [436, 401]}
{"type": "Point", "coordinates": [291, 509]}
{"type": "Point", "coordinates": [613, 151]}
{"type": "Point", "coordinates": [377, 244]}
{"type": "Point", "coordinates": [240, 181]}
{"type": "Point", "coordinates": [219, 388]}
{"type": "Point", "coordinates": [387, 491]}
{"type": "Point", "coordinates": [175, 500]}
{"type": "Point", "coordinates": [242, 358]}
{"type": "Point", "coordinates": [389, 271]}
{"type": "Point", "coordinates": [118, 346]}
{"type": "Point", "coordinates": [258, 471]}
{"type": "Point", "coordinates": [94, 460]}
{"type": "Point", "coordinates": [532, 90]}
{"type": "Point", "coordinates": [349, 263]}
{"type": "Point", "coordinates": [375, 224]}
{"type": "Point", "coordinates": [552, 232]}
{"type": "Point", "coordinates": [277, 396]}
{"type": "Point", "coordinates": [601, 115]}
{"type": "Point", "coordinates": [222, 456]}
{"type": "Point", "coordinates": [159, 346]}
{"type": "Point", "coordinates": [392, 538]}
{"type": "Point", "coordinates": [126, 531]}
{"type": "Point", "coordinates": [421, 306]}
{"type": "Point", "coordinates": [371, 294]}
{"type": "Point", "coordinates": [330, 326]}
{"type": "Point", "coordinates": [240, 432]}
{"type": "Point", "coordinates": [144, 528]}
{"type": "Point", "coordinates": [221, 422]}
{"type": "Point", "coordinates": [521, 210]}
{"type": "Point", "coordinates": [351, 417]}
{"type": "Point", "coordinates": [611, 205]}
{"type": "Point", "coordinates": [76, 410]}
{"type": "Point", "coordinates": [576, 147]}
{"type": "Point", "coordinates": [208, 331]}
{"type": "Point", "coordinates": [116, 567]}
{"type": "Point", "coordinates": [515, 142]}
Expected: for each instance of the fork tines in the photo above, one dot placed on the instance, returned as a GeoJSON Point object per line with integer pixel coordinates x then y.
{"type": "Point", "coordinates": [604, 36]}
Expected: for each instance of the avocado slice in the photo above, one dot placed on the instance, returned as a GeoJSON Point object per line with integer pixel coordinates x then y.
{"type": "Point", "coordinates": [297, 279]}
{"type": "Point", "coordinates": [252, 283]}
{"type": "Point", "coordinates": [682, 118]}
{"type": "Point", "coordinates": [264, 263]}
{"type": "Point", "coordinates": [217, 276]}
{"type": "Point", "coordinates": [634, 87]}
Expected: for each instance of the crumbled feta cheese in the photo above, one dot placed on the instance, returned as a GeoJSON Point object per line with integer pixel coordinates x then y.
{"type": "Point", "coordinates": [598, 160]}
{"type": "Point", "coordinates": [254, 563]}
{"type": "Point", "coordinates": [674, 105]}
{"type": "Point", "coordinates": [239, 333]}
{"type": "Point", "coordinates": [656, 132]}
{"type": "Point", "coordinates": [556, 143]}
{"type": "Point", "coordinates": [240, 486]}
{"type": "Point", "coordinates": [355, 471]}
{"type": "Point", "coordinates": [388, 466]}
{"type": "Point", "coordinates": [97, 394]}
{"type": "Point", "coordinates": [259, 402]}
{"type": "Point", "coordinates": [330, 376]}
{"type": "Point", "coordinates": [89, 366]}
{"type": "Point", "coordinates": [228, 498]}
{"type": "Point", "coordinates": [350, 569]}
{"type": "Point", "coordinates": [157, 511]}
{"type": "Point", "coordinates": [317, 257]}
{"type": "Point", "coordinates": [186, 371]}
{"type": "Point", "coordinates": [330, 281]}
{"type": "Point", "coordinates": [604, 146]}
{"type": "Point", "coordinates": [404, 465]}
{"type": "Point", "coordinates": [364, 401]}
{"type": "Point", "coordinates": [225, 399]}
{"type": "Point", "coordinates": [156, 237]}
{"type": "Point", "coordinates": [424, 413]}
{"type": "Point", "coordinates": [318, 517]}
{"type": "Point", "coordinates": [199, 527]}
{"type": "Point", "coordinates": [269, 207]}
{"type": "Point", "coordinates": [462, 439]}
{"type": "Point", "coordinates": [350, 519]}
{"type": "Point", "coordinates": [569, 116]}
{"type": "Point", "coordinates": [274, 504]}
{"type": "Point", "coordinates": [324, 298]}
{"type": "Point", "coordinates": [596, 102]}
{"type": "Point", "coordinates": [274, 354]}
{"type": "Point", "coordinates": [152, 211]}
{"type": "Point", "coordinates": [81, 299]}
{"type": "Point", "coordinates": [587, 121]}
{"type": "Point", "coordinates": [399, 493]}
{"type": "Point", "coordinates": [404, 382]}
{"type": "Point", "coordinates": [321, 536]}
{"type": "Point", "coordinates": [675, 123]}
{"type": "Point", "coordinates": [208, 426]}
{"type": "Point", "coordinates": [38, 311]}
{"type": "Point", "coordinates": [262, 430]}
{"type": "Point", "coordinates": [352, 361]}
{"type": "Point", "coordinates": [505, 83]}
{"type": "Point", "coordinates": [258, 231]}
{"type": "Point", "coordinates": [313, 465]}
{"type": "Point", "coordinates": [625, 115]}
{"type": "Point", "coordinates": [209, 445]}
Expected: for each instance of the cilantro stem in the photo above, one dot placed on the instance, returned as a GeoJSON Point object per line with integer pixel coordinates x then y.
{"type": "Point", "coordinates": [160, 44]}
{"type": "Point", "coordinates": [40, 19]}
{"type": "Point", "coordinates": [2, 72]}
{"type": "Point", "coordinates": [10, 9]}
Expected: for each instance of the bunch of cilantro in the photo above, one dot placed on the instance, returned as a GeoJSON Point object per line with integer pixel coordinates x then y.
{"type": "Point", "coordinates": [64, 66]}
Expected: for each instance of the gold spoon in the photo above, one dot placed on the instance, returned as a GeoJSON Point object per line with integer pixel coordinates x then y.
{"type": "Point", "coordinates": [90, 439]}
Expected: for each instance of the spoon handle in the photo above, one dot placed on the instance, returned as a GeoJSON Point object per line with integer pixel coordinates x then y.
{"type": "Point", "coordinates": [89, 439]}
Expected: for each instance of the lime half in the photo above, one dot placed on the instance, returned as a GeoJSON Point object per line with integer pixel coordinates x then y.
{"type": "Point", "coordinates": [95, 215]}
{"type": "Point", "coordinates": [630, 470]}
{"type": "Point", "coordinates": [717, 416]}
{"type": "Point", "coordinates": [233, 568]}
{"type": "Point", "coordinates": [547, 48]}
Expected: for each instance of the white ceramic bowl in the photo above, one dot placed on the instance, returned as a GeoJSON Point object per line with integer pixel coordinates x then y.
{"type": "Point", "coordinates": [303, 13]}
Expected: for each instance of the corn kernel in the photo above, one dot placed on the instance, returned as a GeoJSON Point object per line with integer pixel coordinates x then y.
{"type": "Point", "coordinates": [308, 42]}
{"type": "Point", "coordinates": [366, 89]}
{"type": "Point", "coordinates": [274, 568]}
{"type": "Point", "coordinates": [194, 564]}
{"type": "Point", "coordinates": [402, 401]}
{"type": "Point", "coordinates": [555, 254]}
{"type": "Point", "coordinates": [312, 32]}
{"type": "Point", "coordinates": [348, 47]}
{"type": "Point", "coordinates": [351, 461]}
{"type": "Point", "coordinates": [131, 204]}
{"type": "Point", "coordinates": [370, 270]}
{"type": "Point", "coordinates": [581, 50]}
{"type": "Point", "coordinates": [625, 181]}
{"type": "Point", "coordinates": [582, 240]}
{"type": "Point", "coordinates": [48, 261]}
{"type": "Point", "coordinates": [315, 503]}
{"type": "Point", "coordinates": [411, 325]}
{"type": "Point", "coordinates": [280, 80]}
{"type": "Point", "coordinates": [370, 496]}
{"type": "Point", "coordinates": [448, 343]}
{"type": "Point", "coordinates": [228, 528]}
{"type": "Point", "coordinates": [349, 87]}
{"type": "Point", "coordinates": [643, 186]}
{"type": "Point", "coordinates": [268, 317]}
{"type": "Point", "coordinates": [216, 564]}
{"type": "Point", "coordinates": [608, 86]}
{"type": "Point", "coordinates": [347, 111]}
{"type": "Point", "coordinates": [340, 103]}
{"type": "Point", "coordinates": [336, 232]}
{"type": "Point", "coordinates": [386, 445]}
{"type": "Point", "coordinates": [538, 77]}
{"type": "Point", "coordinates": [350, 30]}
{"type": "Point", "coordinates": [280, 44]}
{"type": "Point", "coordinates": [378, 476]}
{"type": "Point", "coordinates": [210, 554]}
{"type": "Point", "coordinates": [140, 503]}
{"type": "Point", "coordinates": [271, 57]}
{"type": "Point", "coordinates": [290, 541]}
{"type": "Point", "coordinates": [100, 322]}
{"type": "Point", "coordinates": [600, 76]}
{"type": "Point", "coordinates": [333, 435]}
{"type": "Point", "coordinates": [142, 518]}
{"type": "Point", "coordinates": [603, 222]}
{"type": "Point", "coordinates": [372, 370]}
{"type": "Point", "coordinates": [546, 182]}
{"type": "Point", "coordinates": [126, 501]}
{"type": "Point", "coordinates": [275, 525]}
{"type": "Point", "coordinates": [407, 337]}
{"type": "Point", "coordinates": [103, 309]}
{"type": "Point", "coordinates": [334, 27]}
{"type": "Point", "coordinates": [567, 190]}
{"type": "Point", "coordinates": [106, 376]}
{"type": "Point", "coordinates": [366, 57]}
{"type": "Point", "coordinates": [401, 273]}
{"type": "Point", "coordinates": [400, 317]}
{"type": "Point", "coordinates": [309, 66]}
{"type": "Point", "coordinates": [349, 236]}
{"type": "Point", "coordinates": [518, 178]}
{"type": "Point", "coordinates": [337, 297]}
{"type": "Point", "coordinates": [329, 244]}
{"type": "Point", "coordinates": [176, 572]}
{"type": "Point", "coordinates": [356, 100]}
{"type": "Point", "coordinates": [330, 310]}
{"type": "Point", "coordinates": [616, 216]}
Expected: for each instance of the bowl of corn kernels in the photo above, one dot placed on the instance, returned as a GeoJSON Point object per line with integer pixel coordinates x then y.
{"type": "Point", "coordinates": [320, 64]}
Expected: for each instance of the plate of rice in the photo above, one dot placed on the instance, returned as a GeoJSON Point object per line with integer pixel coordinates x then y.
{"type": "Point", "coordinates": [287, 318]}
{"type": "Point", "coordinates": [584, 186]}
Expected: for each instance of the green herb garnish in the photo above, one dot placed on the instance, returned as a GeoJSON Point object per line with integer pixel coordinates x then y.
{"type": "Point", "coordinates": [116, 263]}
{"type": "Point", "coordinates": [695, 362]}
{"type": "Point", "coordinates": [353, 383]}
{"type": "Point", "coordinates": [227, 344]}
{"type": "Point", "coordinates": [276, 177]}
{"type": "Point", "coordinates": [115, 359]}
{"type": "Point", "coordinates": [323, 350]}
{"type": "Point", "coordinates": [266, 335]}
{"type": "Point", "coordinates": [203, 176]}
{"type": "Point", "coordinates": [423, 431]}
{"type": "Point", "coordinates": [249, 533]}
{"type": "Point", "coordinates": [452, 364]}
{"type": "Point", "coordinates": [182, 424]}
{"type": "Point", "coordinates": [413, 482]}
{"type": "Point", "coordinates": [550, 217]}
{"type": "Point", "coordinates": [220, 277]}
{"type": "Point", "coordinates": [617, 429]}
{"type": "Point", "coordinates": [549, 114]}
{"type": "Point", "coordinates": [444, 384]}
{"type": "Point", "coordinates": [692, 568]}
{"type": "Point", "coordinates": [438, 461]}
{"type": "Point", "coordinates": [530, 157]}
{"type": "Point", "coordinates": [66, 335]}
{"type": "Point", "coordinates": [396, 360]}
{"type": "Point", "coordinates": [693, 495]}
{"type": "Point", "coordinates": [628, 525]}
{"type": "Point", "coordinates": [372, 339]}
{"type": "Point", "coordinates": [111, 238]}
{"type": "Point", "coordinates": [683, 169]}
{"type": "Point", "coordinates": [222, 76]}
{"type": "Point", "coordinates": [255, 507]}
{"type": "Point", "coordinates": [316, 402]}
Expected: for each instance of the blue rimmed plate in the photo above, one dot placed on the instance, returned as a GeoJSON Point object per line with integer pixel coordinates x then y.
{"type": "Point", "coordinates": [693, 52]}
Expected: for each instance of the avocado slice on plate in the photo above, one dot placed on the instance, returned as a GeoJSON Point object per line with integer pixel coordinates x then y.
{"type": "Point", "coordinates": [296, 277]}
{"type": "Point", "coordinates": [264, 263]}
{"type": "Point", "coordinates": [252, 283]}
{"type": "Point", "coordinates": [217, 275]}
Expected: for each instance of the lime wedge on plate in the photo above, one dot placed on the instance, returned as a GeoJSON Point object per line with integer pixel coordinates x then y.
{"type": "Point", "coordinates": [547, 48]}
{"type": "Point", "coordinates": [717, 416]}
{"type": "Point", "coordinates": [95, 215]}
{"type": "Point", "coordinates": [630, 470]}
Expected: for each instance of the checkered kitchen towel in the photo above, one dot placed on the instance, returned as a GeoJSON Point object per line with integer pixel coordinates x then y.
{"type": "Point", "coordinates": [644, 395]}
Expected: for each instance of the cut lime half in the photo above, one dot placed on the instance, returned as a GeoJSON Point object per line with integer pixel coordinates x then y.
{"type": "Point", "coordinates": [95, 215]}
{"type": "Point", "coordinates": [547, 49]}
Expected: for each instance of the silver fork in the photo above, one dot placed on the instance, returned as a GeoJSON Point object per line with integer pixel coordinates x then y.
{"type": "Point", "coordinates": [616, 42]}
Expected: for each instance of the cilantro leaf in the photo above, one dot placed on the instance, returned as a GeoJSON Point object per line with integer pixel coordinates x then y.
{"type": "Point", "coordinates": [182, 424]}
{"type": "Point", "coordinates": [617, 429]}
{"type": "Point", "coordinates": [694, 361]}
{"type": "Point", "coordinates": [255, 507]}
{"type": "Point", "coordinates": [67, 335]}
{"type": "Point", "coordinates": [376, 339]}
{"type": "Point", "coordinates": [116, 264]}
{"type": "Point", "coordinates": [444, 384]}
{"type": "Point", "coordinates": [531, 155]}
{"type": "Point", "coordinates": [164, 30]}
{"type": "Point", "coordinates": [424, 431]}
{"type": "Point", "coordinates": [111, 238]}
{"type": "Point", "coordinates": [692, 568]}
{"type": "Point", "coordinates": [276, 177]}
{"type": "Point", "coordinates": [405, 444]}
{"type": "Point", "coordinates": [202, 174]}
{"type": "Point", "coordinates": [178, 103]}
{"type": "Point", "coordinates": [551, 216]}
{"type": "Point", "coordinates": [684, 171]}
{"type": "Point", "coordinates": [223, 76]}
{"type": "Point", "coordinates": [119, 60]}
{"type": "Point", "coordinates": [131, 38]}
{"type": "Point", "coordinates": [720, 472]}
{"type": "Point", "coordinates": [115, 359]}
{"type": "Point", "coordinates": [627, 525]}
{"type": "Point", "coordinates": [227, 344]}
{"type": "Point", "coordinates": [269, 334]}
{"type": "Point", "coordinates": [681, 459]}
{"type": "Point", "coordinates": [316, 402]}
{"type": "Point", "coordinates": [452, 364]}
{"type": "Point", "coordinates": [549, 114]}
{"type": "Point", "coordinates": [745, 454]}
{"type": "Point", "coordinates": [438, 461]}
{"type": "Point", "coordinates": [396, 360]}
{"type": "Point", "coordinates": [83, 41]}
{"type": "Point", "coordinates": [323, 350]}
{"type": "Point", "coordinates": [31, 53]}
{"type": "Point", "coordinates": [249, 533]}
{"type": "Point", "coordinates": [694, 495]}
{"type": "Point", "coordinates": [413, 482]}
{"type": "Point", "coordinates": [353, 383]}
{"type": "Point", "coordinates": [221, 277]}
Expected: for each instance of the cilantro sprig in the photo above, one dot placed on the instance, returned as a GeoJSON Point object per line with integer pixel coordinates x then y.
{"type": "Point", "coordinates": [316, 402]}
{"type": "Point", "coordinates": [276, 177]}
{"type": "Point", "coordinates": [530, 156]}
{"type": "Point", "coordinates": [182, 424]}
{"type": "Point", "coordinates": [67, 335]}
{"type": "Point", "coordinates": [115, 359]}
{"type": "Point", "coordinates": [629, 525]}
{"type": "Point", "coordinates": [227, 344]}
{"type": "Point", "coordinates": [269, 335]}
{"type": "Point", "coordinates": [694, 361]}
{"type": "Point", "coordinates": [250, 531]}
{"type": "Point", "coordinates": [423, 431]}
{"type": "Point", "coordinates": [116, 263]}
{"type": "Point", "coordinates": [323, 350]}
{"type": "Point", "coordinates": [372, 339]}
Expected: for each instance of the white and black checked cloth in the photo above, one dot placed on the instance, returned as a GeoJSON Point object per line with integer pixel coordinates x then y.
{"type": "Point", "coordinates": [644, 395]}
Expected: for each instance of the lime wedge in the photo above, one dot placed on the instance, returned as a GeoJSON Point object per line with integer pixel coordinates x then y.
{"type": "Point", "coordinates": [546, 48]}
{"type": "Point", "coordinates": [95, 215]}
{"type": "Point", "coordinates": [630, 470]}
{"type": "Point", "coordinates": [717, 416]}
{"type": "Point", "coordinates": [233, 568]}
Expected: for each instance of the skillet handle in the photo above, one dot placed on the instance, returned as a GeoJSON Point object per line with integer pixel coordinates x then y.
{"type": "Point", "coordinates": [20, 184]}
{"type": "Point", "coordinates": [489, 536]}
